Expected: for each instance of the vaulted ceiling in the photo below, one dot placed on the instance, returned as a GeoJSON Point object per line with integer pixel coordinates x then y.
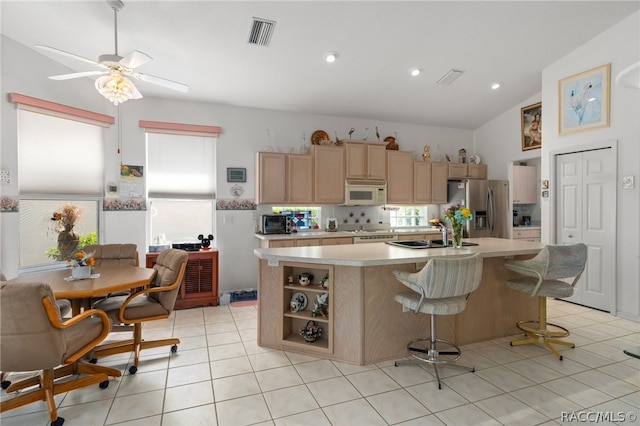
{"type": "Point", "coordinates": [204, 44]}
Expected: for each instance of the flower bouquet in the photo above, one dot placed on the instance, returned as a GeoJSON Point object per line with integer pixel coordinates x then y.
{"type": "Point", "coordinates": [457, 216]}
{"type": "Point", "coordinates": [81, 264]}
{"type": "Point", "coordinates": [311, 332]}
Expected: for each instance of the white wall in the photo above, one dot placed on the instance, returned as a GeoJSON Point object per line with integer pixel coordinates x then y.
{"type": "Point", "coordinates": [244, 132]}
{"type": "Point", "coordinates": [500, 140]}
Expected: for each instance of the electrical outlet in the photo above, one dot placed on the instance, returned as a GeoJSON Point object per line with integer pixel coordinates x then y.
{"type": "Point", "coordinates": [5, 176]}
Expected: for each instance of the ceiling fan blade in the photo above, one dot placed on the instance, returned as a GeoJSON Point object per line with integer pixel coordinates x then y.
{"type": "Point", "coordinates": [162, 82]}
{"type": "Point", "coordinates": [136, 92]}
{"type": "Point", "coordinates": [69, 55]}
{"type": "Point", "coordinates": [77, 75]}
{"type": "Point", "coordinates": [135, 59]}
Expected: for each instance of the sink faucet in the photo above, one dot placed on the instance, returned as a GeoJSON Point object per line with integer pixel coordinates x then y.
{"type": "Point", "coordinates": [445, 234]}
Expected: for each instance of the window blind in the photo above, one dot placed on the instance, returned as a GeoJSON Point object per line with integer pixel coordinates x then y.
{"type": "Point", "coordinates": [59, 156]}
{"type": "Point", "coordinates": [180, 166]}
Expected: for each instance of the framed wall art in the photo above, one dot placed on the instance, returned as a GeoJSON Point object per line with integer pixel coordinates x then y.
{"type": "Point", "coordinates": [531, 125]}
{"type": "Point", "coordinates": [236, 174]}
{"type": "Point", "coordinates": [584, 100]}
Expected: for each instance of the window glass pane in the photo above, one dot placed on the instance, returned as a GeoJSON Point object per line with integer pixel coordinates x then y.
{"type": "Point", "coordinates": [301, 217]}
{"type": "Point", "coordinates": [39, 233]}
{"type": "Point", "coordinates": [408, 216]}
{"type": "Point", "coordinates": [59, 156]}
{"type": "Point", "coordinates": [179, 221]}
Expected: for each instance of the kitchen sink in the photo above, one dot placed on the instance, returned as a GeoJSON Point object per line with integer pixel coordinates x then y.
{"type": "Point", "coordinates": [425, 244]}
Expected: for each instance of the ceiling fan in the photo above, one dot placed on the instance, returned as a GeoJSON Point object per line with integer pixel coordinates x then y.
{"type": "Point", "coordinates": [114, 84]}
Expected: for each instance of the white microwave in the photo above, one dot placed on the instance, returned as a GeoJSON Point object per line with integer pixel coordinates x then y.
{"type": "Point", "coordinates": [365, 193]}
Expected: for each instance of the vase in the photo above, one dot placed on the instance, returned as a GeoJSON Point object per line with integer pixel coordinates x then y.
{"type": "Point", "coordinates": [67, 243]}
{"type": "Point", "coordinates": [80, 272]}
{"type": "Point", "coordinates": [457, 235]}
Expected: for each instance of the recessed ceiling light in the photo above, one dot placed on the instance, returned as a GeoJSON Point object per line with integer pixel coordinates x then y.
{"type": "Point", "coordinates": [495, 86]}
{"type": "Point", "coordinates": [415, 71]}
{"type": "Point", "coordinates": [331, 57]}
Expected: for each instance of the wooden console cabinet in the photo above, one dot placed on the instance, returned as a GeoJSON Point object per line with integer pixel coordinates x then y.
{"type": "Point", "coordinates": [200, 283]}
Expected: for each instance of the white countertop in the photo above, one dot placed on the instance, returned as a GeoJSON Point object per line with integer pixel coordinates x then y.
{"type": "Point", "coordinates": [336, 234]}
{"type": "Point", "coordinates": [384, 254]}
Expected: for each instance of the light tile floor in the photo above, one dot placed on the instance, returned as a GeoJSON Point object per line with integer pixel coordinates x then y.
{"type": "Point", "coordinates": [220, 376]}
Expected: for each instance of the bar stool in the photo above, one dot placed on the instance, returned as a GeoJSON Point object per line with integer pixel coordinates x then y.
{"type": "Point", "coordinates": [544, 278]}
{"type": "Point", "coordinates": [442, 287]}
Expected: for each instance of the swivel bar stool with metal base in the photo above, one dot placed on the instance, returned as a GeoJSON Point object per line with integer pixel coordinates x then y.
{"type": "Point", "coordinates": [545, 274]}
{"type": "Point", "coordinates": [442, 287]}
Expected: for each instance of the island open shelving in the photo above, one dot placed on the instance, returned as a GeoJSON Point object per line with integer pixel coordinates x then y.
{"type": "Point", "coordinates": [293, 322]}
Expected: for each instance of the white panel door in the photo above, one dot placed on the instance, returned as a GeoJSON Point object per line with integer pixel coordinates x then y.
{"type": "Point", "coordinates": [586, 212]}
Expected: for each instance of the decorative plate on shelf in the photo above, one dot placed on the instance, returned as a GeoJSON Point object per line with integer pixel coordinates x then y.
{"type": "Point", "coordinates": [320, 137]}
{"type": "Point", "coordinates": [475, 159]}
{"type": "Point", "coordinates": [298, 302]}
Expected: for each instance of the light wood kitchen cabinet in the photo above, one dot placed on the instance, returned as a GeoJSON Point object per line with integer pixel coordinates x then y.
{"type": "Point", "coordinates": [429, 182]}
{"type": "Point", "coordinates": [283, 178]}
{"type": "Point", "coordinates": [533, 235]}
{"type": "Point", "coordinates": [422, 192]}
{"type": "Point", "coordinates": [307, 242]}
{"type": "Point", "coordinates": [300, 179]}
{"type": "Point", "coordinates": [457, 170]}
{"type": "Point", "coordinates": [336, 241]}
{"type": "Point", "coordinates": [467, 171]}
{"type": "Point", "coordinates": [271, 176]}
{"type": "Point", "coordinates": [328, 174]}
{"type": "Point", "coordinates": [524, 185]}
{"type": "Point", "coordinates": [439, 172]}
{"type": "Point", "coordinates": [477, 171]}
{"type": "Point", "coordinates": [399, 177]}
{"type": "Point", "coordinates": [277, 243]}
{"type": "Point", "coordinates": [365, 161]}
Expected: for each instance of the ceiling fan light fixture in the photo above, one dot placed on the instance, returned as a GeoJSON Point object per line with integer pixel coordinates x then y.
{"type": "Point", "coordinates": [115, 88]}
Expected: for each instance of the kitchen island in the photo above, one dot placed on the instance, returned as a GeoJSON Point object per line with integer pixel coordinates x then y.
{"type": "Point", "coordinates": [361, 322]}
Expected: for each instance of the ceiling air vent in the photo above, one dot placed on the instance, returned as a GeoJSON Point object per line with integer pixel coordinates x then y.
{"type": "Point", "coordinates": [261, 31]}
{"type": "Point", "coordinates": [449, 77]}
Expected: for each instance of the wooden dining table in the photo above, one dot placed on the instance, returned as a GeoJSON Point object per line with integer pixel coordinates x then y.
{"type": "Point", "coordinates": [104, 280]}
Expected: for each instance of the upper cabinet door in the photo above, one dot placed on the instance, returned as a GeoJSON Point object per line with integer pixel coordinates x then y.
{"type": "Point", "coordinates": [422, 182]}
{"type": "Point", "coordinates": [399, 177]}
{"type": "Point", "coordinates": [271, 178]}
{"type": "Point", "coordinates": [356, 160]}
{"type": "Point", "coordinates": [439, 173]}
{"type": "Point", "coordinates": [524, 185]}
{"type": "Point", "coordinates": [300, 179]}
{"type": "Point", "coordinates": [377, 162]}
{"type": "Point", "coordinates": [365, 161]}
{"type": "Point", "coordinates": [328, 174]}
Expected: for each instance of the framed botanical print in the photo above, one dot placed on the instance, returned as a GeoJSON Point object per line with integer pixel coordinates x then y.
{"type": "Point", "coordinates": [531, 125]}
{"type": "Point", "coordinates": [583, 100]}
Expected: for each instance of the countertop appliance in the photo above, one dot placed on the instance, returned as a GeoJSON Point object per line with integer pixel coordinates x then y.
{"type": "Point", "coordinates": [274, 224]}
{"type": "Point", "coordinates": [365, 193]}
{"type": "Point", "coordinates": [488, 201]}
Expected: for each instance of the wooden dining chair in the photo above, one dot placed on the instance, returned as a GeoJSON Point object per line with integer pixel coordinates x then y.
{"type": "Point", "coordinates": [149, 304]}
